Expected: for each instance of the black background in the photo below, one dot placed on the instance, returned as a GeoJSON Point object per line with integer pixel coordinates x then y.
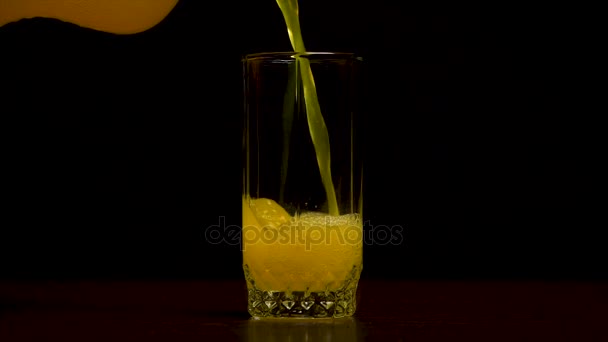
{"type": "Point", "coordinates": [120, 150]}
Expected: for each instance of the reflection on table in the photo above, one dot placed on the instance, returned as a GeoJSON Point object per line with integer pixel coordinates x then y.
{"type": "Point", "coordinates": [300, 329]}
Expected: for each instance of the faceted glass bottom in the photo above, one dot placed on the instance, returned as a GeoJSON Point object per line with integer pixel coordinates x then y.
{"type": "Point", "coordinates": [304, 304]}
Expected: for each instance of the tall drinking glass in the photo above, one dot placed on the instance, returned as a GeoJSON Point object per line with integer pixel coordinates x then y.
{"type": "Point", "coordinates": [302, 232]}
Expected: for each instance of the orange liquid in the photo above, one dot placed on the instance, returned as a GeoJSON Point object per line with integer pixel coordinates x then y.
{"type": "Point", "coordinates": [311, 252]}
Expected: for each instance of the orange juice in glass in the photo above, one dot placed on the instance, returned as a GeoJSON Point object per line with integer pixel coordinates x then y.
{"type": "Point", "coordinates": [302, 237]}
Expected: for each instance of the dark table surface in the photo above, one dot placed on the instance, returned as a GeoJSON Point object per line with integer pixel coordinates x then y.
{"type": "Point", "coordinates": [388, 311]}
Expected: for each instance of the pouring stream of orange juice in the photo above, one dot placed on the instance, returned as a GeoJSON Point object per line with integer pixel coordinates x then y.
{"type": "Point", "coordinates": [316, 123]}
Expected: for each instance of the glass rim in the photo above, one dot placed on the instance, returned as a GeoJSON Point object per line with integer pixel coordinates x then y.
{"type": "Point", "coordinates": [290, 55]}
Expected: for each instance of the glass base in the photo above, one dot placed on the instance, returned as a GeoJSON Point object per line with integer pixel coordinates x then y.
{"type": "Point", "coordinates": [303, 304]}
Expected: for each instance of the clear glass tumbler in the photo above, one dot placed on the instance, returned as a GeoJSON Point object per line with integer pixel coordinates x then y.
{"type": "Point", "coordinates": [302, 232]}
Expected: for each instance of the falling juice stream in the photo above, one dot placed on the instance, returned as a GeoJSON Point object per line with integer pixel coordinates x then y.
{"type": "Point", "coordinates": [316, 123]}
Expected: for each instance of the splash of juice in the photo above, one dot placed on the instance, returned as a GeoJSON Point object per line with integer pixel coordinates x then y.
{"type": "Point", "coordinates": [316, 123]}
